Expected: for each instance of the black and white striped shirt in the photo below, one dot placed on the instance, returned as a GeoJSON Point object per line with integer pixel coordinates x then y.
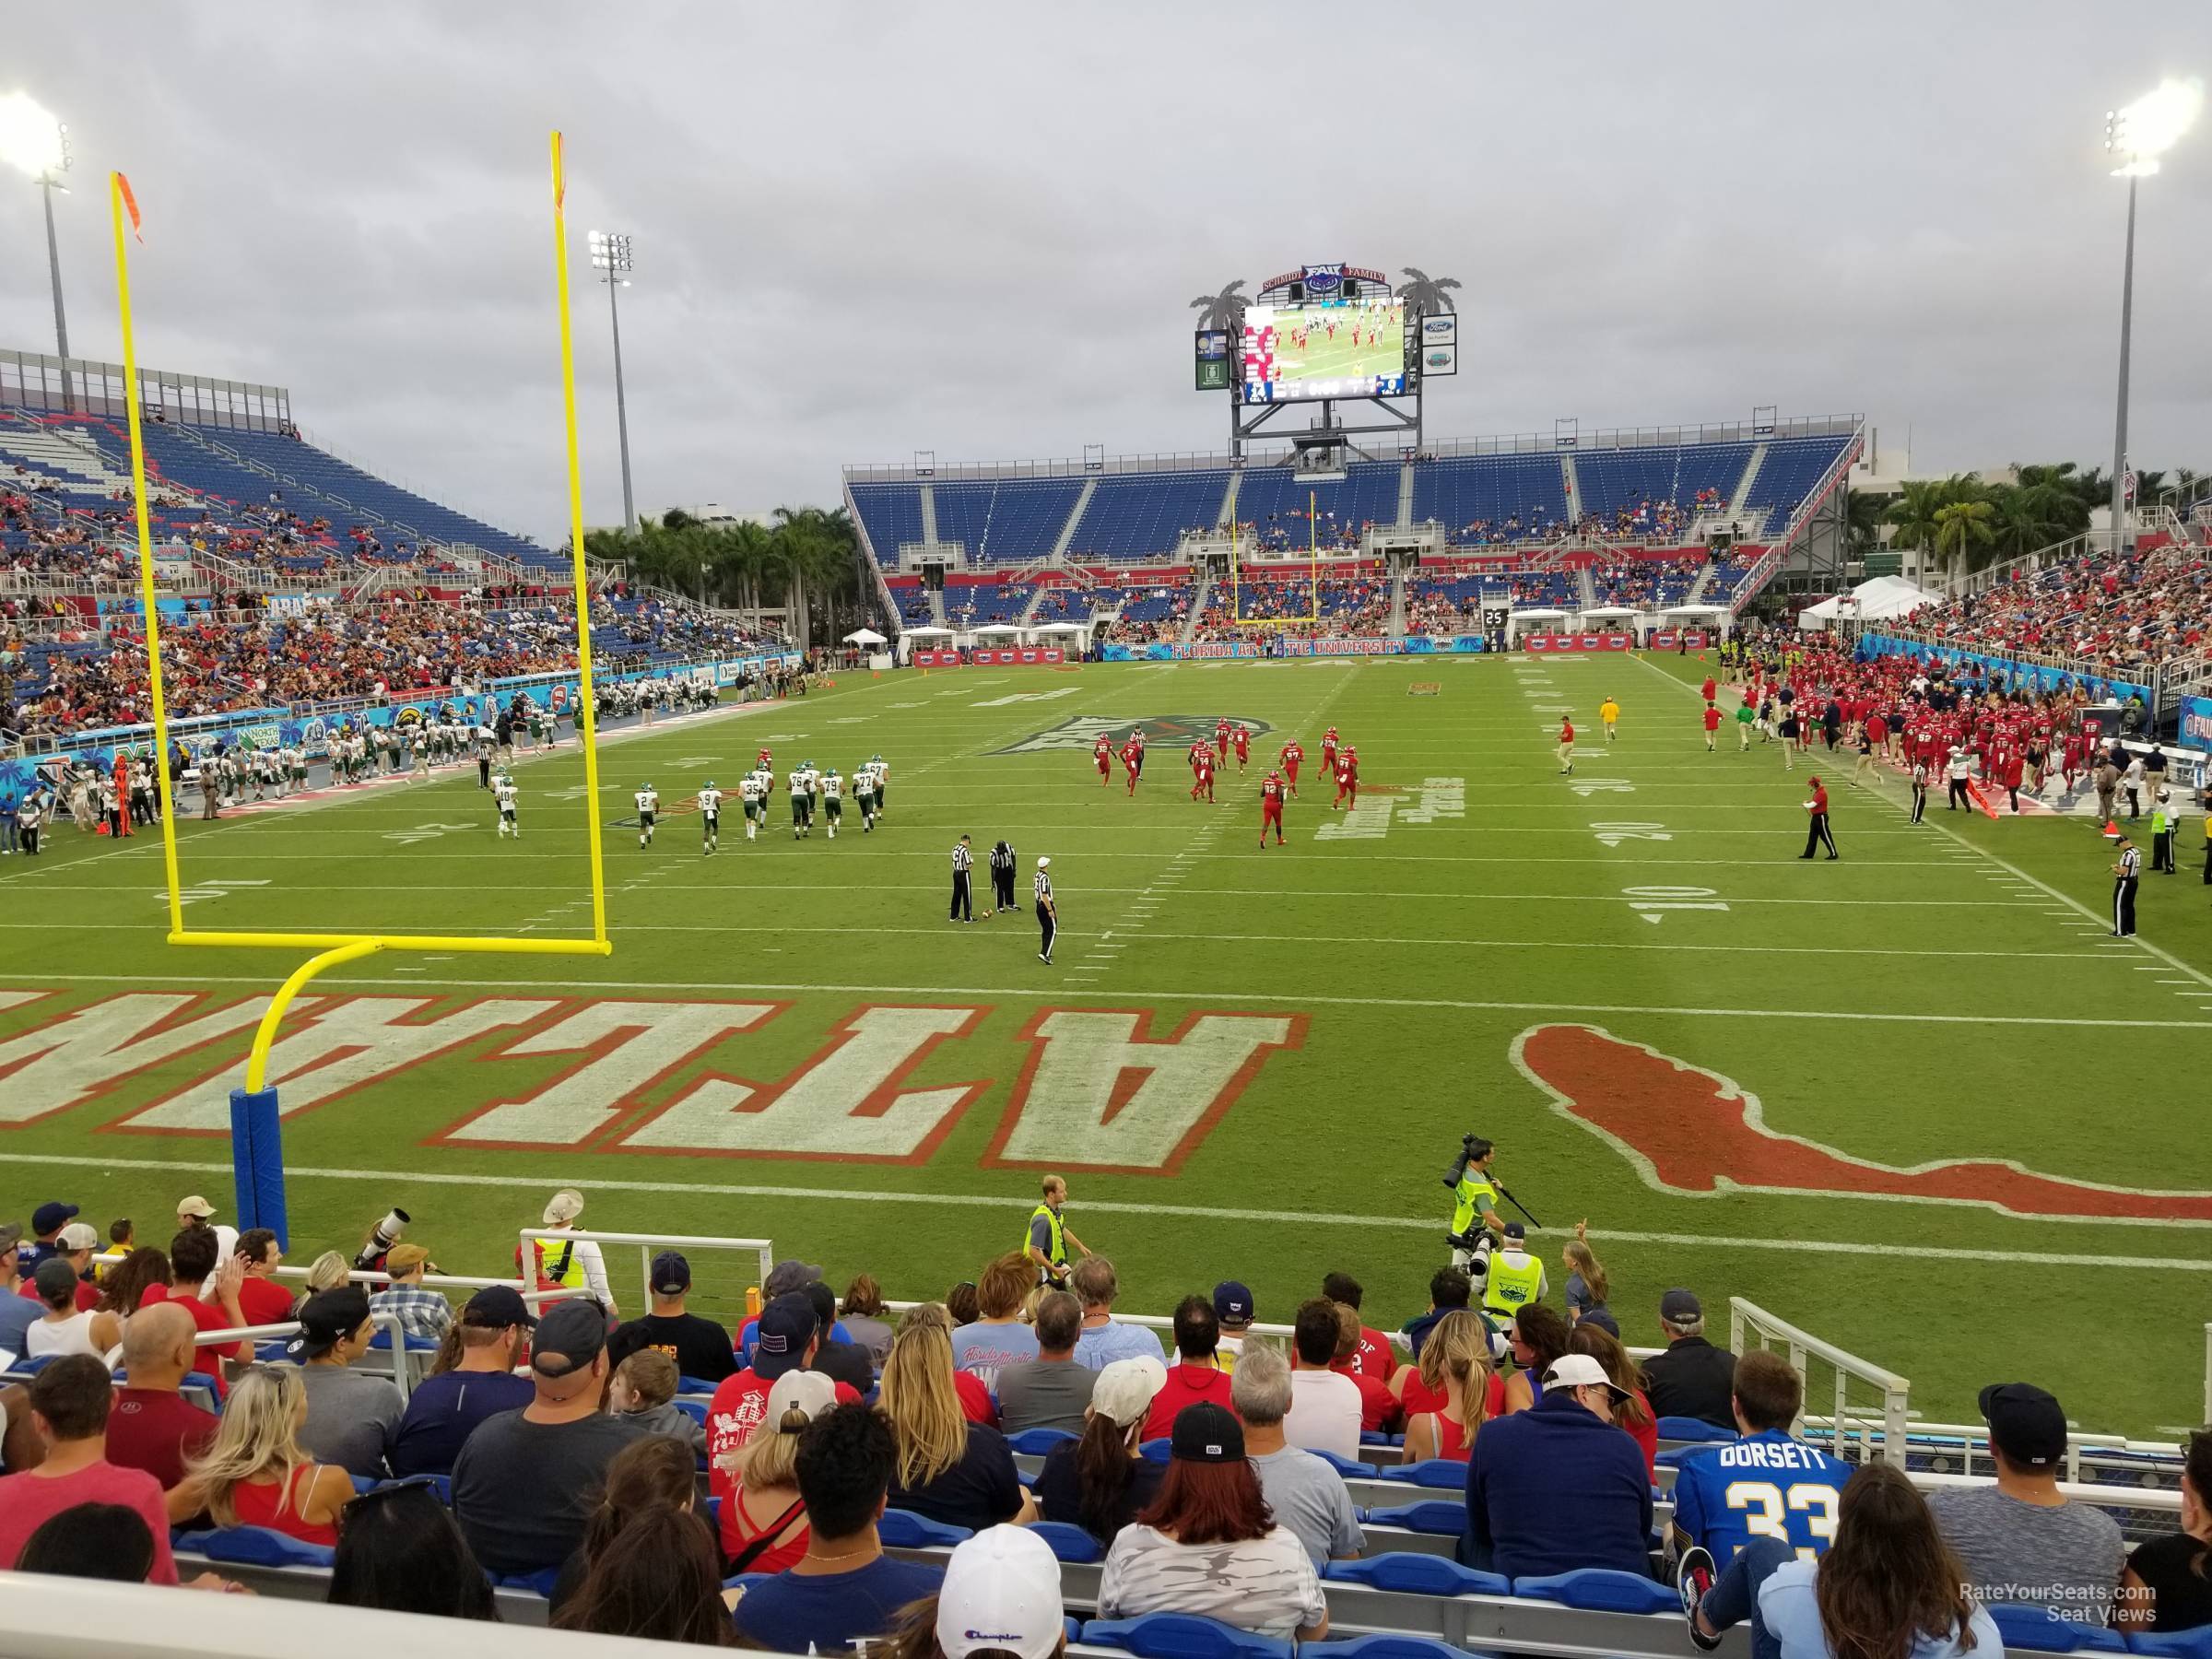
{"type": "Point", "coordinates": [2131, 864]}
{"type": "Point", "coordinates": [962, 860]}
{"type": "Point", "coordinates": [1043, 886]}
{"type": "Point", "coordinates": [1002, 856]}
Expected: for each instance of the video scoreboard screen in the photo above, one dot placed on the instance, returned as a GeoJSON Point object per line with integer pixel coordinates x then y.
{"type": "Point", "coordinates": [1336, 347]}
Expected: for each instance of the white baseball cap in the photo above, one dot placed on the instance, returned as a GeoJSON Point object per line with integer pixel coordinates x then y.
{"type": "Point", "coordinates": [1002, 1592]}
{"type": "Point", "coordinates": [1124, 1389]}
{"type": "Point", "coordinates": [1581, 1371]}
{"type": "Point", "coordinates": [810, 1392]}
{"type": "Point", "coordinates": [1044, 863]}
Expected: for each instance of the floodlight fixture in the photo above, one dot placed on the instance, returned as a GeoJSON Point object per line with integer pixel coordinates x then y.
{"type": "Point", "coordinates": [2137, 135]}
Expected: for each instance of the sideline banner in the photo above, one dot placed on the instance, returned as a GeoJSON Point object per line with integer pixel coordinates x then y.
{"type": "Point", "coordinates": [1578, 642]}
{"type": "Point", "coordinates": [2016, 672]}
{"type": "Point", "coordinates": [1161, 650]}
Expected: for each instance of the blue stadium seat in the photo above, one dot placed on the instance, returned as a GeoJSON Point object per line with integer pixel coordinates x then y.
{"type": "Point", "coordinates": [1387, 1644]}
{"type": "Point", "coordinates": [1601, 1590]}
{"type": "Point", "coordinates": [1036, 1443]}
{"type": "Point", "coordinates": [382, 1342]}
{"type": "Point", "coordinates": [1183, 1636]}
{"type": "Point", "coordinates": [2180, 1645]}
{"type": "Point", "coordinates": [2034, 1630]}
{"type": "Point", "coordinates": [696, 1385]}
{"type": "Point", "coordinates": [1429, 1515]}
{"type": "Point", "coordinates": [1157, 1450]}
{"type": "Point", "coordinates": [1350, 1468]}
{"type": "Point", "coordinates": [694, 1409]}
{"type": "Point", "coordinates": [1417, 1575]}
{"type": "Point", "coordinates": [902, 1529]}
{"type": "Point", "coordinates": [540, 1582]}
{"type": "Point", "coordinates": [1069, 1543]}
{"type": "Point", "coordinates": [253, 1547]}
{"type": "Point", "coordinates": [1430, 1472]}
{"type": "Point", "coordinates": [1695, 1429]}
{"type": "Point", "coordinates": [1375, 1437]}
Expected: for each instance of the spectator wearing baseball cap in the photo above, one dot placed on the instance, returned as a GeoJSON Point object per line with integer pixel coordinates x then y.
{"type": "Point", "coordinates": [1692, 1378]}
{"type": "Point", "coordinates": [1559, 1486]}
{"type": "Point", "coordinates": [785, 1278]}
{"type": "Point", "coordinates": [351, 1415]}
{"type": "Point", "coordinates": [46, 1223]}
{"type": "Point", "coordinates": [524, 1483]}
{"type": "Point", "coordinates": [1101, 1481]}
{"type": "Point", "coordinates": [845, 1587]}
{"type": "Point", "coordinates": [1001, 1595]}
{"type": "Point", "coordinates": [422, 1312]}
{"type": "Point", "coordinates": [1196, 1374]}
{"type": "Point", "coordinates": [699, 1346]}
{"type": "Point", "coordinates": [64, 1327]}
{"type": "Point", "coordinates": [473, 1380]}
{"type": "Point", "coordinates": [1209, 1547]}
{"type": "Point", "coordinates": [1233, 1314]}
{"type": "Point", "coordinates": [2021, 1541]}
{"type": "Point", "coordinates": [765, 1529]}
{"type": "Point", "coordinates": [75, 1244]}
{"type": "Point", "coordinates": [786, 1334]}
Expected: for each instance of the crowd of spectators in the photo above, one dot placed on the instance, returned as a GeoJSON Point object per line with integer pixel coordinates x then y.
{"type": "Point", "coordinates": [565, 1458]}
{"type": "Point", "coordinates": [2119, 614]}
{"type": "Point", "coordinates": [1641, 583]}
{"type": "Point", "coordinates": [1349, 607]}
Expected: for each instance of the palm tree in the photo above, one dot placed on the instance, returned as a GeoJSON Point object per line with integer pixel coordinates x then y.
{"type": "Point", "coordinates": [1863, 515]}
{"type": "Point", "coordinates": [1424, 295]}
{"type": "Point", "coordinates": [1964, 524]}
{"type": "Point", "coordinates": [1912, 513]}
{"type": "Point", "coordinates": [1220, 310]}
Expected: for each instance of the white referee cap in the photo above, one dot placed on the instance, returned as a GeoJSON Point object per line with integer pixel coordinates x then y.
{"type": "Point", "coordinates": [1044, 863]}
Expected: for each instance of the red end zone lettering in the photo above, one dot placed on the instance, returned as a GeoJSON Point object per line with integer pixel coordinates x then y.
{"type": "Point", "coordinates": [1696, 1133]}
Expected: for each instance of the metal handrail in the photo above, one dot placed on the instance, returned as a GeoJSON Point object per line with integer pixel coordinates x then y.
{"type": "Point", "coordinates": [1746, 1317]}
{"type": "Point", "coordinates": [387, 1321]}
{"type": "Point", "coordinates": [646, 1241]}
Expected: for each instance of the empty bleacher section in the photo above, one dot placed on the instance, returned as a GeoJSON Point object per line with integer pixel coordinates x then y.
{"type": "Point", "coordinates": [889, 516]}
{"type": "Point", "coordinates": [1492, 499]}
{"type": "Point", "coordinates": [1007, 521]}
{"type": "Point", "coordinates": [1793, 468]}
{"type": "Point", "coordinates": [1646, 491]}
{"type": "Point", "coordinates": [1145, 515]}
{"type": "Point", "coordinates": [1273, 505]}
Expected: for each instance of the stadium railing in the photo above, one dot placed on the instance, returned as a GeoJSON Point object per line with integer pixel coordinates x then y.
{"type": "Point", "coordinates": [1878, 1429]}
{"type": "Point", "coordinates": [649, 1244]}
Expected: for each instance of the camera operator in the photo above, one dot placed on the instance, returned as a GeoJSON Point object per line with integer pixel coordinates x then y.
{"type": "Point", "coordinates": [1476, 1226]}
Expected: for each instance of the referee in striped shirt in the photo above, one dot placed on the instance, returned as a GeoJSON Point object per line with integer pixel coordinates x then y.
{"type": "Point", "coordinates": [2126, 875]}
{"type": "Point", "coordinates": [963, 869]}
{"type": "Point", "coordinates": [1048, 912]}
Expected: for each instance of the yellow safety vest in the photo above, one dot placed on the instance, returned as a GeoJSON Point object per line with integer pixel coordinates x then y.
{"type": "Point", "coordinates": [556, 1259]}
{"type": "Point", "coordinates": [1056, 1253]}
{"type": "Point", "coordinates": [1474, 1195]}
{"type": "Point", "coordinates": [1510, 1287]}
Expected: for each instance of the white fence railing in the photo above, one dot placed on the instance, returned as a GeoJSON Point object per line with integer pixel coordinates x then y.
{"type": "Point", "coordinates": [1851, 1419]}
{"type": "Point", "coordinates": [649, 1245]}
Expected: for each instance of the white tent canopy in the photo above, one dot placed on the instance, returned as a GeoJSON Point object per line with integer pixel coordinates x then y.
{"type": "Point", "coordinates": [999, 627]}
{"type": "Point", "coordinates": [865, 636]}
{"type": "Point", "coordinates": [1879, 599]}
{"type": "Point", "coordinates": [929, 630]}
{"type": "Point", "coordinates": [1060, 627]}
{"type": "Point", "coordinates": [1609, 610]}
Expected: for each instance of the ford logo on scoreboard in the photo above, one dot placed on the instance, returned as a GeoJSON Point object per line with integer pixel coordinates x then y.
{"type": "Point", "coordinates": [1323, 282]}
{"type": "Point", "coordinates": [1440, 331]}
{"type": "Point", "coordinates": [1439, 360]}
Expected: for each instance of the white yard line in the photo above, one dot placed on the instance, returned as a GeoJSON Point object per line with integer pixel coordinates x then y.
{"type": "Point", "coordinates": [1887, 1247]}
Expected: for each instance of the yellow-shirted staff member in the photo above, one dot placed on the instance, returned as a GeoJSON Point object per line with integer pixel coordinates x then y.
{"type": "Point", "coordinates": [1046, 1243]}
{"type": "Point", "coordinates": [1476, 1224]}
{"type": "Point", "coordinates": [1608, 715]}
{"type": "Point", "coordinates": [1516, 1278]}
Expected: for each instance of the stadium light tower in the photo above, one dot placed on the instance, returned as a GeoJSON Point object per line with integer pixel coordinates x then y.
{"type": "Point", "coordinates": [2136, 136]}
{"type": "Point", "coordinates": [32, 140]}
{"type": "Point", "coordinates": [610, 254]}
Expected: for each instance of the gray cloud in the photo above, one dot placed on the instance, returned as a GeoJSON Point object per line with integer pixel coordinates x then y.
{"type": "Point", "coordinates": [863, 231]}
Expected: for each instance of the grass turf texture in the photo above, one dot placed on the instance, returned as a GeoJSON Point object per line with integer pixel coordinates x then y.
{"type": "Point", "coordinates": [1414, 960]}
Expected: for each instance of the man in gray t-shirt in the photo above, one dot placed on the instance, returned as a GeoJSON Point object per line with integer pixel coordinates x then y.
{"type": "Point", "coordinates": [2021, 1541]}
{"type": "Point", "coordinates": [1051, 1391]}
{"type": "Point", "coordinates": [351, 1415]}
{"type": "Point", "coordinates": [1306, 1494]}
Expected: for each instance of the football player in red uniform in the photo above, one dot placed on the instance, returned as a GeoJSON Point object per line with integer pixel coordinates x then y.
{"type": "Point", "coordinates": [1205, 779]}
{"type": "Point", "coordinates": [1133, 762]}
{"type": "Point", "coordinates": [1293, 756]}
{"type": "Point", "coordinates": [1271, 808]}
{"type": "Point", "coordinates": [1347, 778]}
{"type": "Point", "coordinates": [1242, 737]}
{"type": "Point", "coordinates": [1221, 739]}
{"type": "Point", "coordinates": [1102, 752]}
{"type": "Point", "coordinates": [1328, 751]}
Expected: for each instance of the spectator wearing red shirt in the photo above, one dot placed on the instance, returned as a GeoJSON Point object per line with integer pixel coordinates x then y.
{"type": "Point", "coordinates": [191, 1260]}
{"type": "Point", "coordinates": [788, 1335]}
{"type": "Point", "coordinates": [260, 1297]}
{"type": "Point", "coordinates": [1378, 1406]}
{"type": "Point", "coordinates": [1817, 832]}
{"type": "Point", "coordinates": [152, 1426]}
{"type": "Point", "coordinates": [1712, 724]}
{"type": "Point", "coordinates": [1375, 1357]}
{"type": "Point", "coordinates": [70, 1400]}
{"type": "Point", "coordinates": [1196, 1374]}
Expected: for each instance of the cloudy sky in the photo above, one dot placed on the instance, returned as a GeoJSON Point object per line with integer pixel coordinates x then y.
{"type": "Point", "coordinates": [866, 230]}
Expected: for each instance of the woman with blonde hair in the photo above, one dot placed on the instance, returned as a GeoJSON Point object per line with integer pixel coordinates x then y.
{"type": "Point", "coordinates": [764, 1525]}
{"type": "Point", "coordinates": [326, 1272]}
{"type": "Point", "coordinates": [949, 1469]}
{"type": "Point", "coordinates": [1587, 1287]}
{"type": "Point", "coordinates": [978, 1405]}
{"type": "Point", "coordinates": [1458, 1351]}
{"type": "Point", "coordinates": [255, 1472]}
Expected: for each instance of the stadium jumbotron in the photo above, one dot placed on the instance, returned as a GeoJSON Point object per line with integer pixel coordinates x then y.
{"type": "Point", "coordinates": [1335, 1011]}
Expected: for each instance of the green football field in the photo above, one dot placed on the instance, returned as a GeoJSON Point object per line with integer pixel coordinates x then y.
{"type": "Point", "coordinates": [1807, 1084]}
{"type": "Point", "coordinates": [1321, 357]}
